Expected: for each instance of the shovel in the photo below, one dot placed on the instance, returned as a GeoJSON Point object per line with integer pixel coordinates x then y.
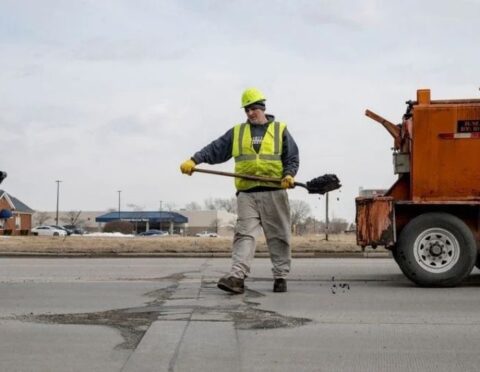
{"type": "Point", "coordinates": [318, 185]}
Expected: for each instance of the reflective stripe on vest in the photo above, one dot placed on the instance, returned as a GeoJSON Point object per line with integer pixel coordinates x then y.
{"type": "Point", "coordinates": [267, 162]}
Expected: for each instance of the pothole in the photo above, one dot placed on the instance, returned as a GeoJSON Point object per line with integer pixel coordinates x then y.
{"type": "Point", "coordinates": [246, 315]}
{"type": "Point", "coordinates": [132, 326]}
{"type": "Point", "coordinates": [263, 319]}
{"type": "Point", "coordinates": [133, 322]}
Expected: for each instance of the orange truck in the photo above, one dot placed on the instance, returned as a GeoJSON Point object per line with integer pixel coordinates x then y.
{"type": "Point", "coordinates": [430, 217]}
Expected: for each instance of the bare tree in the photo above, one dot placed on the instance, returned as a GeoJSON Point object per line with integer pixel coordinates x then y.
{"type": "Point", "coordinates": [209, 204]}
{"type": "Point", "coordinates": [193, 206]}
{"type": "Point", "coordinates": [71, 218]}
{"type": "Point", "coordinates": [228, 205]}
{"type": "Point", "coordinates": [169, 206]}
{"type": "Point", "coordinates": [299, 211]}
{"type": "Point", "coordinates": [337, 225]}
{"type": "Point", "coordinates": [41, 218]}
{"type": "Point", "coordinates": [309, 226]}
{"type": "Point", "coordinates": [135, 207]}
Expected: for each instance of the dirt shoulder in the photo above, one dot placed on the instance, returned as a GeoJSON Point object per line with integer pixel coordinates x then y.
{"type": "Point", "coordinates": [313, 246]}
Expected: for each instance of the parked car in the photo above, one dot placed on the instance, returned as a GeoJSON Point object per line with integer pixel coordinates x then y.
{"type": "Point", "coordinates": [153, 232]}
{"type": "Point", "coordinates": [62, 228]}
{"type": "Point", "coordinates": [74, 229]}
{"type": "Point", "coordinates": [206, 234]}
{"type": "Point", "coordinates": [48, 231]}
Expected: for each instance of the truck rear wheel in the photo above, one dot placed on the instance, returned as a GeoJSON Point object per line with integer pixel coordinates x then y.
{"type": "Point", "coordinates": [437, 250]}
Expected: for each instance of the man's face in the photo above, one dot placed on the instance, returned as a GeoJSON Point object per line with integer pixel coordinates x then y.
{"type": "Point", "coordinates": [255, 115]}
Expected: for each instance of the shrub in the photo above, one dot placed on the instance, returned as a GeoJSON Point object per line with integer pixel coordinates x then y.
{"type": "Point", "coordinates": [123, 227]}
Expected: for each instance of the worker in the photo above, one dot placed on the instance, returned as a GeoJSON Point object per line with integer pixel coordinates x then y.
{"type": "Point", "coordinates": [261, 146]}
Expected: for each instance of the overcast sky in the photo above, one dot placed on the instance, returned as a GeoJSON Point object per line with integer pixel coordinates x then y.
{"type": "Point", "coordinates": [111, 95]}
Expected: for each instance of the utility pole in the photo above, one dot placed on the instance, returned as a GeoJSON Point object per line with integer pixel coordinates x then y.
{"type": "Point", "coordinates": [58, 198]}
{"type": "Point", "coordinates": [160, 206]}
{"type": "Point", "coordinates": [119, 192]}
{"type": "Point", "coordinates": [326, 216]}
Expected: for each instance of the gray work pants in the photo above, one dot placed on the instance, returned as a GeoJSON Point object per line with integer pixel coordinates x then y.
{"type": "Point", "coordinates": [269, 210]}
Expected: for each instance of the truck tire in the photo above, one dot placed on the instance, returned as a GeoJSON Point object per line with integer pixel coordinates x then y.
{"type": "Point", "coordinates": [436, 250]}
{"type": "Point", "coordinates": [395, 256]}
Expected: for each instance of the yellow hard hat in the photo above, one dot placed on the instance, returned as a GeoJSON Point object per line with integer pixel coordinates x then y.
{"type": "Point", "coordinates": [252, 95]}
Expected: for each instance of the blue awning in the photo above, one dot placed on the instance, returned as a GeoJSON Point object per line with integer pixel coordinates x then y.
{"type": "Point", "coordinates": [143, 216]}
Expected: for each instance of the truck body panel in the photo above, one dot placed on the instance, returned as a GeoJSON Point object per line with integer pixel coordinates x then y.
{"type": "Point", "coordinates": [445, 168]}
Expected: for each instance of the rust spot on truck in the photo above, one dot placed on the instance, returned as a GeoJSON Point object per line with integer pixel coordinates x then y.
{"type": "Point", "coordinates": [375, 221]}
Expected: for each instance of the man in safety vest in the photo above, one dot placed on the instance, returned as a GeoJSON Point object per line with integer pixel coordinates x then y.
{"type": "Point", "coordinates": [262, 146]}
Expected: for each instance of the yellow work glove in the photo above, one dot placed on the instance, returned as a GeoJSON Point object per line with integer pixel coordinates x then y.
{"type": "Point", "coordinates": [288, 182]}
{"type": "Point", "coordinates": [188, 166]}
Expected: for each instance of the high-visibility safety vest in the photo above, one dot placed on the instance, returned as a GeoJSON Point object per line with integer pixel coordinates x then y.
{"type": "Point", "coordinates": [267, 162]}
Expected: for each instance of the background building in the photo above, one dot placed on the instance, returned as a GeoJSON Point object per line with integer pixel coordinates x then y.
{"type": "Point", "coordinates": [220, 222]}
{"type": "Point", "coordinates": [141, 221]}
{"type": "Point", "coordinates": [20, 215]}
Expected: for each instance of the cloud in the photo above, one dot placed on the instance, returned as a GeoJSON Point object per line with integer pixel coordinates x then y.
{"type": "Point", "coordinates": [129, 50]}
{"type": "Point", "coordinates": [114, 94]}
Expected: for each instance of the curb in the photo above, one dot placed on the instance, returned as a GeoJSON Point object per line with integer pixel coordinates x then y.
{"type": "Point", "coordinates": [191, 255]}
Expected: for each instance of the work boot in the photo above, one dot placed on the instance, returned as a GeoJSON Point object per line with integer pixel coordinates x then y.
{"type": "Point", "coordinates": [231, 284]}
{"type": "Point", "coordinates": [280, 285]}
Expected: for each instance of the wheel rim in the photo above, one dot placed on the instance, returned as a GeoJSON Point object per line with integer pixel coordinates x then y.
{"type": "Point", "coordinates": [436, 250]}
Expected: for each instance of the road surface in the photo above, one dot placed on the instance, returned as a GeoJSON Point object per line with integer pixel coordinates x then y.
{"type": "Point", "coordinates": [166, 314]}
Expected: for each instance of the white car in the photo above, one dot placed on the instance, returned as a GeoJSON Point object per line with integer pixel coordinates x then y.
{"type": "Point", "coordinates": [206, 234]}
{"type": "Point", "coordinates": [48, 231]}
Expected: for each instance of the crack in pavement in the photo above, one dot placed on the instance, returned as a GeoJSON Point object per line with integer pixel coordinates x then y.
{"type": "Point", "coordinates": [182, 300]}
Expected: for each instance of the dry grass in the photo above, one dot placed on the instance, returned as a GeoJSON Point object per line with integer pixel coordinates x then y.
{"type": "Point", "coordinates": [85, 245]}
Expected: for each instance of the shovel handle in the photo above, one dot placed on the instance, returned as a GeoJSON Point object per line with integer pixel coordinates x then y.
{"type": "Point", "coordinates": [246, 176]}
{"type": "Point", "coordinates": [238, 175]}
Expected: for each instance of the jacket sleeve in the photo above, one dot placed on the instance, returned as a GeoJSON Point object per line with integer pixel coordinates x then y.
{"type": "Point", "coordinates": [218, 151]}
{"type": "Point", "coordinates": [290, 155]}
